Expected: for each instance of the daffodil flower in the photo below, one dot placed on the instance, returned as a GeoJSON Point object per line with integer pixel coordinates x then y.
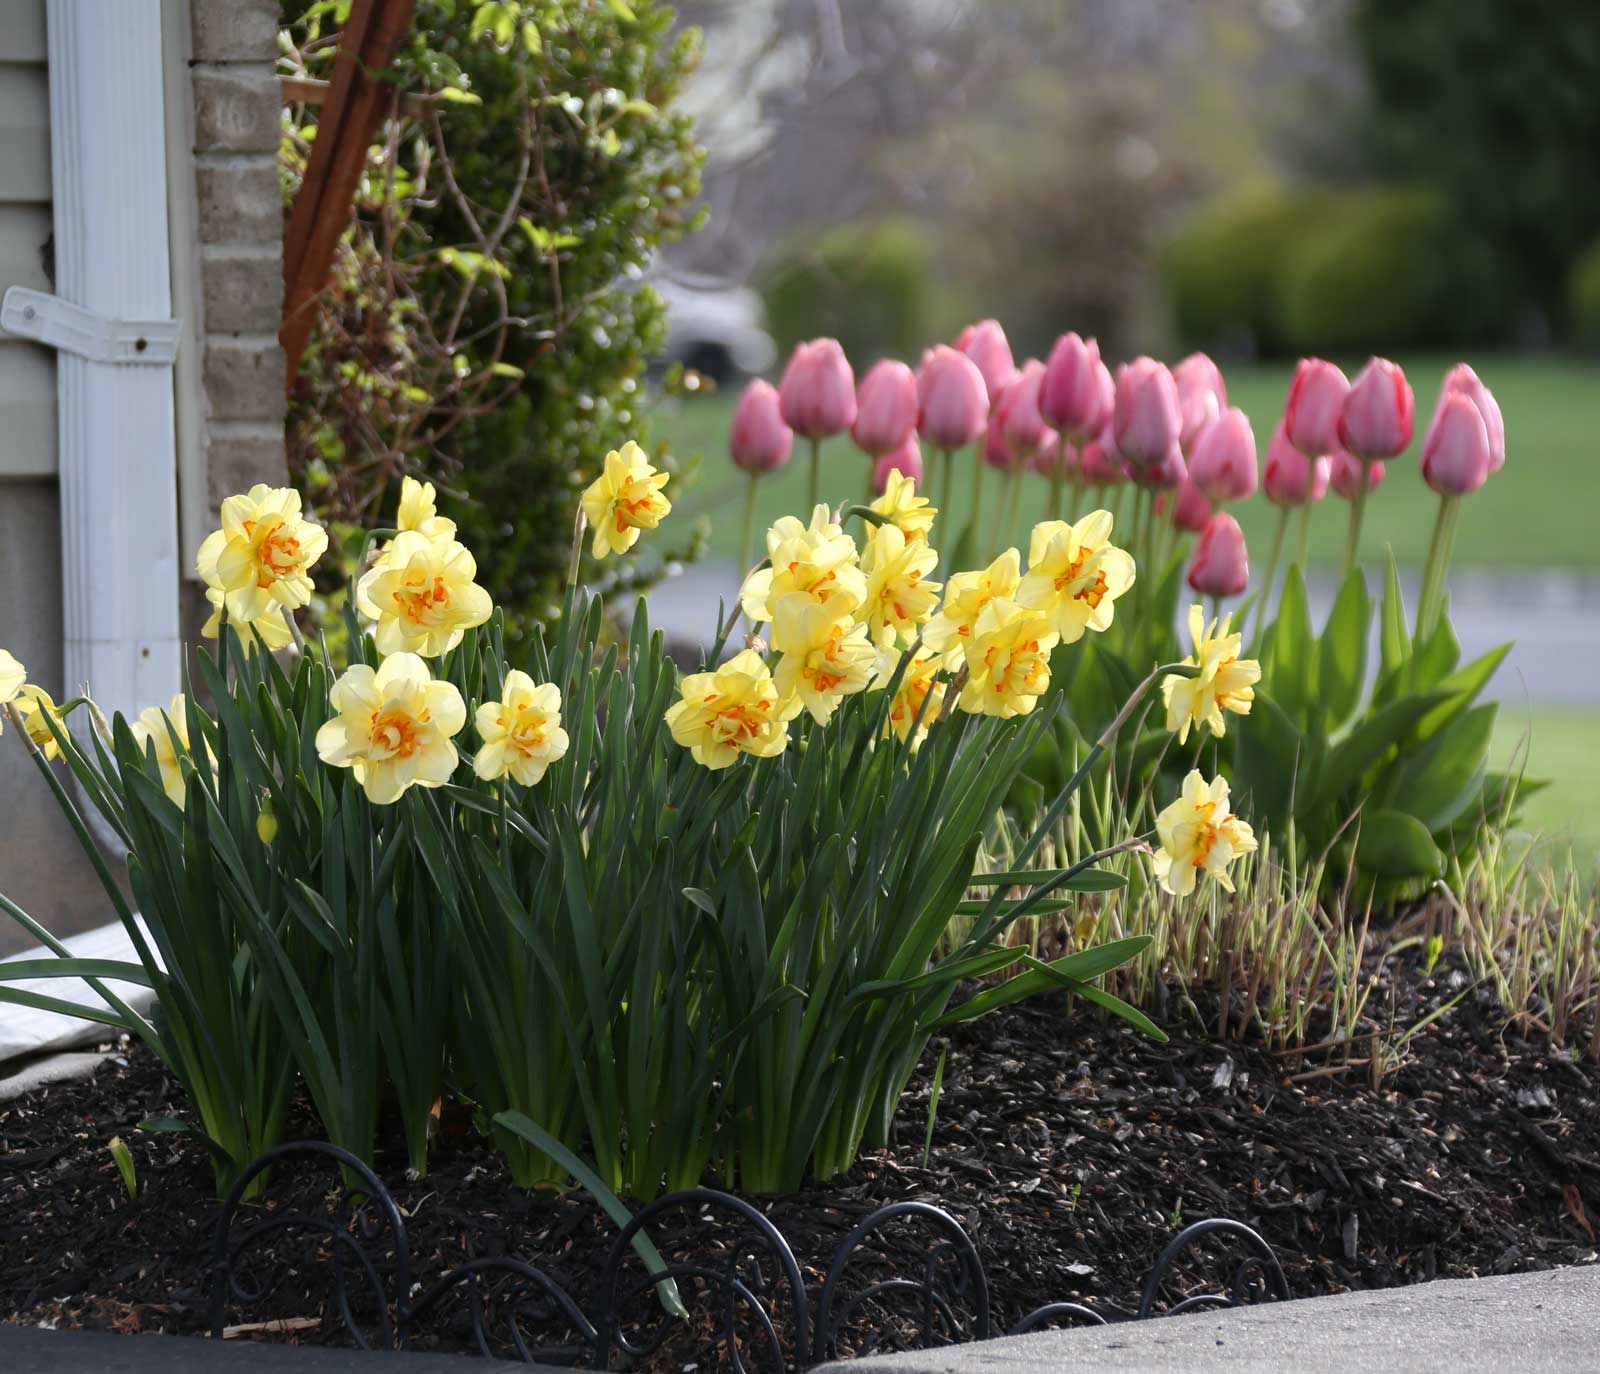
{"type": "Point", "coordinates": [521, 732]}
{"type": "Point", "coordinates": [12, 676]}
{"type": "Point", "coordinates": [1008, 660]}
{"type": "Point", "coordinates": [918, 683]}
{"type": "Point", "coordinates": [262, 556]}
{"type": "Point", "coordinates": [965, 596]}
{"type": "Point", "coordinates": [1199, 835]}
{"type": "Point", "coordinates": [419, 511]}
{"type": "Point", "coordinates": [733, 711]}
{"type": "Point", "coordinates": [624, 499]}
{"type": "Point", "coordinates": [167, 732]}
{"type": "Point", "coordinates": [817, 559]}
{"type": "Point", "coordinates": [913, 515]}
{"type": "Point", "coordinates": [393, 727]}
{"type": "Point", "coordinates": [1075, 574]}
{"type": "Point", "coordinates": [421, 595]}
{"type": "Point", "coordinates": [899, 599]}
{"type": "Point", "coordinates": [829, 657]}
{"type": "Point", "coordinates": [270, 629]}
{"type": "Point", "coordinates": [1225, 682]}
{"type": "Point", "coordinates": [34, 704]}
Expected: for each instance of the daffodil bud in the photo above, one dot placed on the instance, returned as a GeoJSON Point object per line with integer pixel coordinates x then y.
{"type": "Point", "coordinates": [266, 822]}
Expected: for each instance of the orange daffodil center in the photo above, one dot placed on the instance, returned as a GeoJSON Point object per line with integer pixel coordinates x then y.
{"type": "Point", "coordinates": [1199, 835]}
{"type": "Point", "coordinates": [624, 499]}
{"type": "Point", "coordinates": [918, 683]}
{"type": "Point", "coordinates": [421, 595]}
{"type": "Point", "coordinates": [1008, 659]}
{"type": "Point", "coordinates": [393, 726]}
{"type": "Point", "coordinates": [261, 559]}
{"type": "Point", "coordinates": [827, 659]}
{"type": "Point", "coordinates": [1225, 682]}
{"type": "Point", "coordinates": [816, 560]}
{"type": "Point", "coordinates": [521, 733]}
{"type": "Point", "coordinates": [899, 597]}
{"type": "Point", "coordinates": [902, 507]}
{"type": "Point", "coordinates": [1075, 574]}
{"type": "Point", "coordinates": [965, 596]}
{"type": "Point", "coordinates": [733, 711]}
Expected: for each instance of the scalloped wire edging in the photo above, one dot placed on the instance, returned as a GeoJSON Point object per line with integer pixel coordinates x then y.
{"type": "Point", "coordinates": [752, 1301]}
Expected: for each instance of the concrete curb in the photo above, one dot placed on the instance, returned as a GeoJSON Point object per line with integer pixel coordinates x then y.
{"type": "Point", "coordinates": [21, 1077]}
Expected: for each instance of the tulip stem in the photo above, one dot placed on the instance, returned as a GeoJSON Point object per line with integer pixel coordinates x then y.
{"type": "Point", "coordinates": [977, 490]}
{"type": "Point", "coordinates": [948, 460]}
{"type": "Point", "coordinates": [1006, 512]}
{"type": "Point", "coordinates": [748, 534]}
{"type": "Point", "coordinates": [814, 487]}
{"type": "Point", "coordinates": [1265, 593]}
{"type": "Point", "coordinates": [1075, 508]}
{"type": "Point", "coordinates": [1057, 480]}
{"type": "Point", "coordinates": [1358, 506]}
{"type": "Point", "coordinates": [1013, 508]}
{"type": "Point", "coordinates": [1303, 553]}
{"type": "Point", "coordinates": [1430, 600]}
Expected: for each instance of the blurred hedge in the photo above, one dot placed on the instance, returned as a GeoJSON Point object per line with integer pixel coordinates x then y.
{"type": "Point", "coordinates": [1583, 296]}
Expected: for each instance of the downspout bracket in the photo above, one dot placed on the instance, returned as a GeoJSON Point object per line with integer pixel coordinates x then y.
{"type": "Point", "coordinates": [63, 325]}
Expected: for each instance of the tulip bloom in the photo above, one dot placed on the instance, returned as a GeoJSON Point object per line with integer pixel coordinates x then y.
{"type": "Point", "coordinates": [167, 732]}
{"type": "Point", "coordinates": [1008, 661]}
{"type": "Point", "coordinates": [1226, 681]}
{"type": "Point", "coordinates": [393, 727]}
{"type": "Point", "coordinates": [1316, 400]}
{"type": "Point", "coordinates": [1075, 575]}
{"type": "Point", "coordinates": [1202, 397]}
{"type": "Point", "coordinates": [1378, 415]}
{"type": "Point", "coordinates": [262, 556]}
{"type": "Point", "coordinates": [419, 511]}
{"type": "Point", "coordinates": [421, 596]}
{"type": "Point", "coordinates": [1346, 473]}
{"type": "Point", "coordinates": [997, 450]}
{"type": "Point", "coordinates": [1221, 564]}
{"type": "Point", "coordinates": [918, 683]}
{"type": "Point", "coordinates": [1198, 835]}
{"type": "Point", "coordinates": [758, 440]}
{"type": "Point", "coordinates": [733, 711]}
{"type": "Point", "coordinates": [1146, 419]}
{"type": "Point", "coordinates": [1462, 380]}
{"type": "Point", "coordinates": [1167, 475]}
{"type": "Point", "coordinates": [1223, 464]}
{"type": "Point", "coordinates": [625, 498]}
{"type": "Point", "coordinates": [985, 343]}
{"type": "Point", "coordinates": [965, 595]}
{"type": "Point", "coordinates": [818, 560]}
{"type": "Point", "coordinates": [1292, 479]}
{"type": "Point", "coordinates": [905, 461]}
{"type": "Point", "coordinates": [1455, 454]}
{"type": "Point", "coordinates": [899, 503]}
{"type": "Point", "coordinates": [521, 733]}
{"type": "Point", "coordinates": [828, 658]}
{"type": "Point", "coordinates": [899, 598]}
{"type": "Point", "coordinates": [1098, 466]}
{"type": "Point", "coordinates": [886, 408]}
{"type": "Point", "coordinates": [953, 399]}
{"type": "Point", "coordinates": [1192, 509]}
{"type": "Point", "coordinates": [817, 397]}
{"type": "Point", "coordinates": [1076, 394]}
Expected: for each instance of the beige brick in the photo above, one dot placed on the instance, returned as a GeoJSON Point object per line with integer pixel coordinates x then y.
{"type": "Point", "coordinates": [243, 289]}
{"type": "Point", "coordinates": [244, 379]}
{"type": "Point", "coordinates": [240, 199]}
{"type": "Point", "coordinates": [235, 30]}
{"type": "Point", "coordinates": [236, 109]}
{"type": "Point", "coordinates": [238, 456]}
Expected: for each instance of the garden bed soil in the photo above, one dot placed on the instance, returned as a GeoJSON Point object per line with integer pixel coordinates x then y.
{"type": "Point", "coordinates": [1071, 1149]}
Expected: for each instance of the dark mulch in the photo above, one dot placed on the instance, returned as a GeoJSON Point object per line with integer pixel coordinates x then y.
{"type": "Point", "coordinates": [1069, 1148]}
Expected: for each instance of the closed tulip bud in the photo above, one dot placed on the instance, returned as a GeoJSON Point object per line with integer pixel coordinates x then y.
{"type": "Point", "coordinates": [1379, 414]}
{"type": "Point", "coordinates": [1292, 479]}
{"type": "Point", "coordinates": [1311, 414]}
{"type": "Point", "coordinates": [1167, 475]}
{"type": "Point", "coordinates": [1223, 465]}
{"type": "Point", "coordinates": [1098, 465]}
{"type": "Point", "coordinates": [758, 440]}
{"type": "Point", "coordinates": [1202, 396]}
{"type": "Point", "coordinates": [997, 451]}
{"type": "Point", "coordinates": [906, 460]}
{"type": "Point", "coordinates": [817, 397]}
{"type": "Point", "coordinates": [1344, 474]}
{"type": "Point", "coordinates": [1051, 452]}
{"type": "Point", "coordinates": [1455, 454]}
{"type": "Point", "coordinates": [1462, 379]}
{"type": "Point", "coordinates": [1076, 393]}
{"type": "Point", "coordinates": [886, 407]}
{"type": "Point", "coordinates": [953, 403]}
{"type": "Point", "coordinates": [985, 343]}
{"type": "Point", "coordinates": [1193, 509]}
{"type": "Point", "coordinates": [1025, 427]}
{"type": "Point", "coordinates": [1221, 563]}
{"type": "Point", "coordinates": [1145, 417]}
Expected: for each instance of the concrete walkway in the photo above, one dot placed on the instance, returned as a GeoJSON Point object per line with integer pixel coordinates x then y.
{"type": "Point", "coordinates": [1545, 1323]}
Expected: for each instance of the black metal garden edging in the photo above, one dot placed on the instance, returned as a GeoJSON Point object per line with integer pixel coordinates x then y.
{"type": "Point", "coordinates": [750, 1302]}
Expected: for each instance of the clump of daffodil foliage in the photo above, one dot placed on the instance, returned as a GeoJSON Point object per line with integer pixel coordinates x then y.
{"type": "Point", "coordinates": [665, 924]}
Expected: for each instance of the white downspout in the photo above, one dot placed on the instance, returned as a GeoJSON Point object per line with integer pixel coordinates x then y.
{"type": "Point", "coordinates": [117, 435]}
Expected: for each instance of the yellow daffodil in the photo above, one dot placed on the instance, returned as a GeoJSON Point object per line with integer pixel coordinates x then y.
{"type": "Point", "coordinates": [918, 683]}
{"type": "Point", "coordinates": [393, 727]}
{"type": "Point", "coordinates": [262, 556]}
{"type": "Point", "coordinates": [965, 596]}
{"type": "Point", "coordinates": [270, 629]}
{"type": "Point", "coordinates": [1199, 835]}
{"type": "Point", "coordinates": [419, 511]}
{"type": "Point", "coordinates": [624, 499]}
{"type": "Point", "coordinates": [34, 704]}
{"type": "Point", "coordinates": [735, 710]}
{"type": "Point", "coordinates": [901, 505]}
{"type": "Point", "coordinates": [1008, 660]}
{"type": "Point", "coordinates": [898, 599]}
{"type": "Point", "coordinates": [828, 658]}
{"type": "Point", "coordinates": [816, 559]}
{"type": "Point", "coordinates": [1226, 681]}
{"type": "Point", "coordinates": [167, 732]}
{"type": "Point", "coordinates": [421, 595]}
{"type": "Point", "coordinates": [12, 676]}
{"type": "Point", "coordinates": [521, 732]}
{"type": "Point", "coordinates": [1075, 574]}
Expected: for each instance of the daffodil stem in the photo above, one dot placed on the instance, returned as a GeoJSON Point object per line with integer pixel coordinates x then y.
{"type": "Point", "coordinates": [977, 490]}
{"type": "Point", "coordinates": [1358, 507]}
{"type": "Point", "coordinates": [575, 561]}
{"type": "Point", "coordinates": [1431, 598]}
{"type": "Point", "coordinates": [748, 533]}
{"type": "Point", "coordinates": [814, 482]}
{"type": "Point", "coordinates": [1265, 594]}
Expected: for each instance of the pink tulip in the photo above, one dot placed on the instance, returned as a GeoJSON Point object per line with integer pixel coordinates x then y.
{"type": "Point", "coordinates": [997, 451]}
{"type": "Point", "coordinates": [758, 439]}
{"type": "Point", "coordinates": [1145, 416]}
{"type": "Point", "coordinates": [1223, 464]}
{"type": "Point", "coordinates": [1311, 414]}
{"type": "Point", "coordinates": [1076, 394]}
{"type": "Point", "coordinates": [1193, 509]}
{"type": "Point", "coordinates": [1455, 454]}
{"type": "Point", "coordinates": [985, 343]}
{"type": "Point", "coordinates": [1344, 474]}
{"type": "Point", "coordinates": [1167, 475]}
{"type": "Point", "coordinates": [1221, 563]}
{"type": "Point", "coordinates": [1025, 427]}
{"type": "Point", "coordinates": [1202, 396]}
{"type": "Point", "coordinates": [1463, 379]}
{"type": "Point", "coordinates": [818, 393]}
{"type": "Point", "coordinates": [953, 401]}
{"type": "Point", "coordinates": [1051, 452]}
{"type": "Point", "coordinates": [906, 460]}
{"type": "Point", "coordinates": [1099, 467]}
{"type": "Point", "coordinates": [886, 408]}
{"type": "Point", "coordinates": [1379, 414]}
{"type": "Point", "coordinates": [1292, 479]}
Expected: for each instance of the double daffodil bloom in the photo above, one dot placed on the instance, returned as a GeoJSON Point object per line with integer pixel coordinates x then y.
{"type": "Point", "coordinates": [902, 507]}
{"type": "Point", "coordinates": [34, 704]}
{"type": "Point", "coordinates": [270, 630]}
{"type": "Point", "coordinates": [1075, 574]}
{"type": "Point", "coordinates": [1199, 835]}
{"type": "Point", "coordinates": [419, 511]}
{"type": "Point", "coordinates": [918, 683]}
{"type": "Point", "coordinates": [733, 711]}
{"type": "Point", "coordinates": [624, 499]}
{"type": "Point", "coordinates": [1008, 660]}
{"type": "Point", "coordinates": [817, 560]}
{"type": "Point", "coordinates": [167, 732]}
{"type": "Point", "coordinates": [393, 727]}
{"type": "Point", "coordinates": [899, 600]}
{"type": "Point", "coordinates": [965, 596]}
{"type": "Point", "coordinates": [1226, 681]}
{"type": "Point", "coordinates": [421, 595]}
{"type": "Point", "coordinates": [12, 676]}
{"type": "Point", "coordinates": [521, 732]}
{"type": "Point", "coordinates": [828, 658]}
{"type": "Point", "coordinates": [261, 558]}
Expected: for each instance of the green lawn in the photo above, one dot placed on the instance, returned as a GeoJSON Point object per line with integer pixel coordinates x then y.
{"type": "Point", "coordinates": [1538, 510]}
{"type": "Point", "coordinates": [1562, 747]}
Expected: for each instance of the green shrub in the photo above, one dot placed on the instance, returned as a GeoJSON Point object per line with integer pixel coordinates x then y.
{"type": "Point", "coordinates": [865, 285]}
{"type": "Point", "coordinates": [1583, 297]}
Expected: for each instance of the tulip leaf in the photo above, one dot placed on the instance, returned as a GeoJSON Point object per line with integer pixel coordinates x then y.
{"type": "Point", "coordinates": [1342, 670]}
{"type": "Point", "coordinates": [1440, 780]}
{"type": "Point", "coordinates": [1394, 844]}
{"type": "Point", "coordinates": [1292, 654]}
{"type": "Point", "coordinates": [1380, 731]}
